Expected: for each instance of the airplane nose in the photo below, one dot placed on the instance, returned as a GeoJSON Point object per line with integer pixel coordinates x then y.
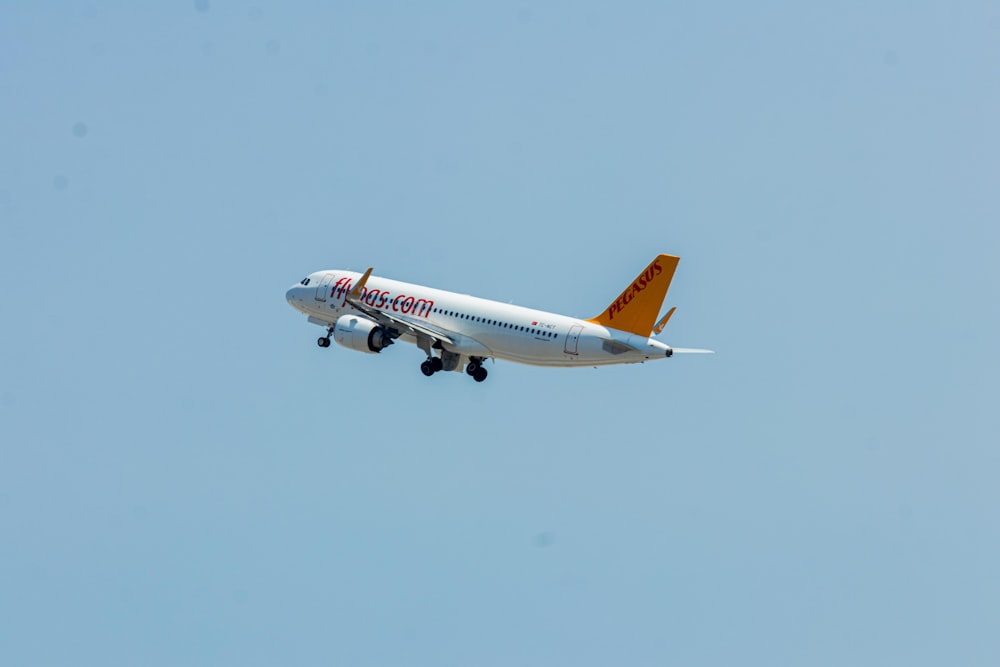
{"type": "Point", "coordinates": [289, 295]}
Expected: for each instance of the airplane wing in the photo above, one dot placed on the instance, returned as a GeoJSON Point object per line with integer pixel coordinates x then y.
{"type": "Point", "coordinates": [399, 322]}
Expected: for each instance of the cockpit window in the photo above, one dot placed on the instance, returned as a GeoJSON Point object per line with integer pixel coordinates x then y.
{"type": "Point", "coordinates": [304, 281]}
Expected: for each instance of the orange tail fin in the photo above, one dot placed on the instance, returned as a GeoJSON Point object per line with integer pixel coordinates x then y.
{"type": "Point", "coordinates": [636, 308]}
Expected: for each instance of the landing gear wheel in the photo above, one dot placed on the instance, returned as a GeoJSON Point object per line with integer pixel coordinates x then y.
{"type": "Point", "coordinates": [480, 374]}
{"type": "Point", "coordinates": [427, 368]}
{"type": "Point", "coordinates": [437, 364]}
{"type": "Point", "coordinates": [323, 342]}
{"type": "Point", "coordinates": [471, 368]}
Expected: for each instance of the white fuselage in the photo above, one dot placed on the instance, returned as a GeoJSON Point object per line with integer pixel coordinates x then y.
{"type": "Point", "coordinates": [484, 328]}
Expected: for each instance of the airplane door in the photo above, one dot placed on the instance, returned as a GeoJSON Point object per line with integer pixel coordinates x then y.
{"type": "Point", "coordinates": [323, 287]}
{"type": "Point", "coordinates": [572, 338]}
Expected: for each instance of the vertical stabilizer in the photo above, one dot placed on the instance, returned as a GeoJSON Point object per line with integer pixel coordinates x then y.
{"type": "Point", "coordinates": [636, 308]}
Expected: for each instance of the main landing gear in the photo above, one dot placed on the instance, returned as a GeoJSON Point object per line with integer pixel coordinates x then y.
{"type": "Point", "coordinates": [324, 341]}
{"type": "Point", "coordinates": [476, 370]}
{"type": "Point", "coordinates": [431, 366]}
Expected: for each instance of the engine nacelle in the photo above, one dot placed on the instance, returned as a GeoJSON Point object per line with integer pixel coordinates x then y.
{"type": "Point", "coordinates": [361, 334]}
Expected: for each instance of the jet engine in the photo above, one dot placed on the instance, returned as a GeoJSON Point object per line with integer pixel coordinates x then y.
{"type": "Point", "coordinates": [361, 334]}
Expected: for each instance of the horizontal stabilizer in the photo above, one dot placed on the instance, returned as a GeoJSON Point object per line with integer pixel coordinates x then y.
{"type": "Point", "coordinates": [658, 329]}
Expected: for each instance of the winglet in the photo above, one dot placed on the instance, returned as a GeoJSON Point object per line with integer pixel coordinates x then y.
{"type": "Point", "coordinates": [356, 292]}
{"type": "Point", "coordinates": [662, 323]}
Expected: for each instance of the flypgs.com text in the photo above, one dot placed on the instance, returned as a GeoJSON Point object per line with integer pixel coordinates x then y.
{"type": "Point", "coordinates": [383, 299]}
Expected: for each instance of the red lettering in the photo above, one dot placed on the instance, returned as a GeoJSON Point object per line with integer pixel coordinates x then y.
{"type": "Point", "coordinates": [424, 306]}
{"type": "Point", "coordinates": [337, 287]}
{"type": "Point", "coordinates": [641, 283]}
{"type": "Point", "coordinates": [382, 299]}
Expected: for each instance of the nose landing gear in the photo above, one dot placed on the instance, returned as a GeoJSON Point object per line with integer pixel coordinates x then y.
{"type": "Point", "coordinates": [324, 341]}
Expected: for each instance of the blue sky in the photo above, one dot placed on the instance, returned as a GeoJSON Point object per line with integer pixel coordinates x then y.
{"type": "Point", "coordinates": [186, 478]}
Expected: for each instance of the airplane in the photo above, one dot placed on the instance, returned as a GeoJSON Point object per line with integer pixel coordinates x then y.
{"type": "Point", "coordinates": [460, 332]}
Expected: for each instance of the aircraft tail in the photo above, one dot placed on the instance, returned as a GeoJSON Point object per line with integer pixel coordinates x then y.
{"type": "Point", "coordinates": [636, 308]}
